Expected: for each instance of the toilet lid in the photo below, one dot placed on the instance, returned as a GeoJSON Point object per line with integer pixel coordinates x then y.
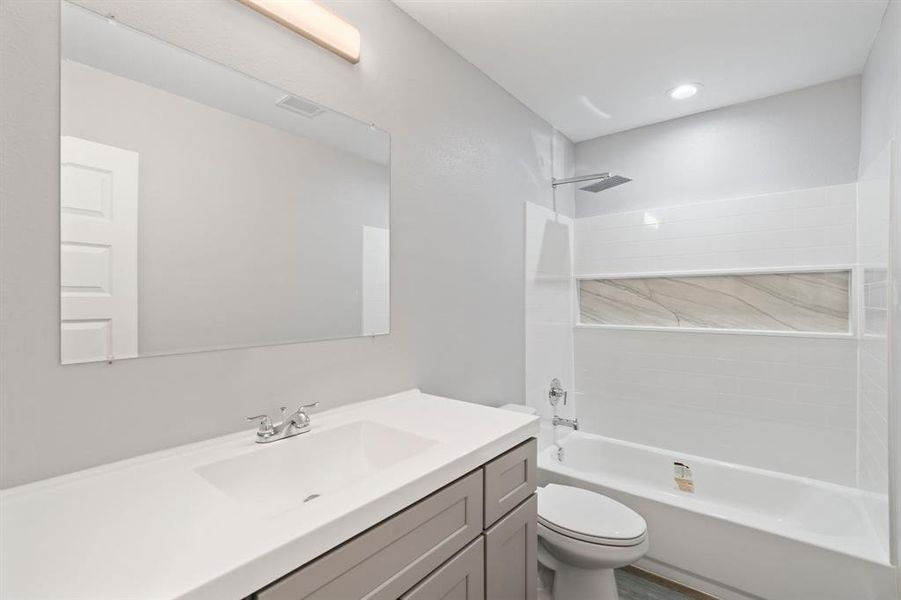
{"type": "Point", "coordinates": [589, 516]}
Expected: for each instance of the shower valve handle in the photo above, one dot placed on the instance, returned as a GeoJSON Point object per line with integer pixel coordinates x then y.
{"type": "Point", "coordinates": [556, 393]}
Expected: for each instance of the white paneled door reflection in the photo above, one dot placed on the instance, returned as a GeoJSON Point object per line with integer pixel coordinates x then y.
{"type": "Point", "coordinates": [98, 252]}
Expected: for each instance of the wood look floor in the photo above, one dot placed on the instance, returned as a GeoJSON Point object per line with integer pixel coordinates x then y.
{"type": "Point", "coordinates": [635, 584]}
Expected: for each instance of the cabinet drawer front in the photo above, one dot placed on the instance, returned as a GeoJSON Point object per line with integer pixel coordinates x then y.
{"type": "Point", "coordinates": [460, 578]}
{"type": "Point", "coordinates": [390, 558]}
{"type": "Point", "coordinates": [511, 555]}
{"type": "Point", "coordinates": [510, 479]}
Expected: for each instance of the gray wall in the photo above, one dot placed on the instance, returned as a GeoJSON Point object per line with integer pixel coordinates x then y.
{"type": "Point", "coordinates": [247, 234]}
{"type": "Point", "coordinates": [563, 162]}
{"type": "Point", "coordinates": [805, 138]}
{"type": "Point", "coordinates": [881, 125]}
{"type": "Point", "coordinates": [465, 157]}
{"type": "Point", "coordinates": [881, 89]}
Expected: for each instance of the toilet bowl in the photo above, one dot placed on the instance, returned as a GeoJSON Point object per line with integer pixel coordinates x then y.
{"type": "Point", "coordinates": [582, 537]}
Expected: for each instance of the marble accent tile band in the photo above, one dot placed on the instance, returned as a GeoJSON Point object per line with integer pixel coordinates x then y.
{"type": "Point", "coordinates": [800, 302]}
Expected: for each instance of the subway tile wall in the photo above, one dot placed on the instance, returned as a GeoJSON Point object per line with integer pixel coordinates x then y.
{"type": "Point", "coordinates": [783, 403]}
{"type": "Point", "coordinates": [873, 407]}
{"type": "Point", "coordinates": [874, 192]}
{"type": "Point", "coordinates": [548, 299]}
{"type": "Point", "coordinates": [805, 227]}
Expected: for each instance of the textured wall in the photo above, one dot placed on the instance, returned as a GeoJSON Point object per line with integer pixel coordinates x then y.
{"type": "Point", "coordinates": [465, 156]}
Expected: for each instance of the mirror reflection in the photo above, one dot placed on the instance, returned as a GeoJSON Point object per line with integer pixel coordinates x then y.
{"type": "Point", "coordinates": [203, 209]}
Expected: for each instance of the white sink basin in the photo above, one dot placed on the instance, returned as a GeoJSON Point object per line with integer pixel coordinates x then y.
{"type": "Point", "coordinates": [286, 474]}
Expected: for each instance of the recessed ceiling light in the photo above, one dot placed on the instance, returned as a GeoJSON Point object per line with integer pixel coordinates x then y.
{"type": "Point", "coordinates": [683, 91]}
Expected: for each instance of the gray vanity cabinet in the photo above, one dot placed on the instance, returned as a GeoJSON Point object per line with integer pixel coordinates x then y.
{"type": "Point", "coordinates": [390, 558]}
{"type": "Point", "coordinates": [511, 559]}
{"type": "Point", "coordinates": [474, 539]}
{"type": "Point", "coordinates": [510, 479]}
{"type": "Point", "coordinates": [460, 578]}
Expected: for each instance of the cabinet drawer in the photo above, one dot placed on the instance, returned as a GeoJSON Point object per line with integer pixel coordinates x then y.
{"type": "Point", "coordinates": [460, 578]}
{"type": "Point", "coordinates": [387, 560]}
{"type": "Point", "coordinates": [511, 554]}
{"type": "Point", "coordinates": [510, 479]}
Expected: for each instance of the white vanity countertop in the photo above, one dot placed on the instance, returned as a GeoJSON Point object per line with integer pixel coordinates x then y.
{"type": "Point", "coordinates": [154, 528]}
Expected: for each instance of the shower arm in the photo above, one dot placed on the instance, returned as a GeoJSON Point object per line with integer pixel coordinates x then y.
{"type": "Point", "coordinates": [555, 182]}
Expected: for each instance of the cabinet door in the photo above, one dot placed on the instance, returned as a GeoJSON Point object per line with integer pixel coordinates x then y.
{"type": "Point", "coordinates": [387, 560]}
{"type": "Point", "coordinates": [510, 479]}
{"type": "Point", "coordinates": [460, 578]}
{"type": "Point", "coordinates": [511, 561]}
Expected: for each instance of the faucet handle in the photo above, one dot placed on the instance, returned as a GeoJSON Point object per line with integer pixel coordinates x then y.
{"type": "Point", "coordinates": [556, 393]}
{"type": "Point", "coordinates": [300, 416]}
{"type": "Point", "coordinates": [266, 428]}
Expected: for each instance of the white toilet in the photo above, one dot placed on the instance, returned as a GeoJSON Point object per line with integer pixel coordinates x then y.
{"type": "Point", "coordinates": [582, 537]}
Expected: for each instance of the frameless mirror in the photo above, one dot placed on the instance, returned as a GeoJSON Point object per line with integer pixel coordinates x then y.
{"type": "Point", "coordinates": [203, 209]}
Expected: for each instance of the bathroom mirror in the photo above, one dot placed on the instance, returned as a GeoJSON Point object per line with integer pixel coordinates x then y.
{"type": "Point", "coordinates": [203, 209]}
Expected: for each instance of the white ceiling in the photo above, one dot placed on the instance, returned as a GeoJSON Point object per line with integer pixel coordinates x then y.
{"type": "Point", "coordinates": [594, 67]}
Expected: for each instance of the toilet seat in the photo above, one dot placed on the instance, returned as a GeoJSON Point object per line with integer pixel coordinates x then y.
{"type": "Point", "coordinates": [589, 517]}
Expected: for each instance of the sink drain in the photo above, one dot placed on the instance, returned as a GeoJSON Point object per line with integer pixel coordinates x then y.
{"type": "Point", "coordinates": [310, 497]}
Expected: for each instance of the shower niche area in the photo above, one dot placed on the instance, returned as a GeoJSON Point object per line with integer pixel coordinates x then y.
{"type": "Point", "coordinates": [733, 323]}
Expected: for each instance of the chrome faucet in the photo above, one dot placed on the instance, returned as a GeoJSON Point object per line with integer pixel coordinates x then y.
{"type": "Point", "coordinates": [554, 396]}
{"type": "Point", "coordinates": [574, 423]}
{"type": "Point", "coordinates": [294, 424]}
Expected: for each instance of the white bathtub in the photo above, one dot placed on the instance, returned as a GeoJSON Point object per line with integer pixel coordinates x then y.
{"type": "Point", "coordinates": [744, 532]}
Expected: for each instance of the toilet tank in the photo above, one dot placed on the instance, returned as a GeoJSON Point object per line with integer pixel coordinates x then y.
{"type": "Point", "coordinates": [522, 408]}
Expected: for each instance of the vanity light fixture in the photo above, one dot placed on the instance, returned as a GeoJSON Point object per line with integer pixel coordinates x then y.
{"type": "Point", "coordinates": [684, 91]}
{"type": "Point", "coordinates": [313, 22]}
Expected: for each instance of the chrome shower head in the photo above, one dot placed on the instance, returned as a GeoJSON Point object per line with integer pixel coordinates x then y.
{"type": "Point", "coordinates": [602, 181]}
{"type": "Point", "coordinates": [605, 184]}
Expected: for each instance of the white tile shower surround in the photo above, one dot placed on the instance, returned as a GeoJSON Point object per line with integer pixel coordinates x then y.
{"type": "Point", "coordinates": [806, 227]}
{"type": "Point", "coordinates": [873, 419]}
{"type": "Point", "coordinates": [782, 403]}
{"type": "Point", "coordinates": [786, 404]}
{"type": "Point", "coordinates": [874, 300]}
{"type": "Point", "coordinates": [874, 192]}
{"type": "Point", "coordinates": [548, 300]}
{"type": "Point", "coordinates": [872, 385]}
